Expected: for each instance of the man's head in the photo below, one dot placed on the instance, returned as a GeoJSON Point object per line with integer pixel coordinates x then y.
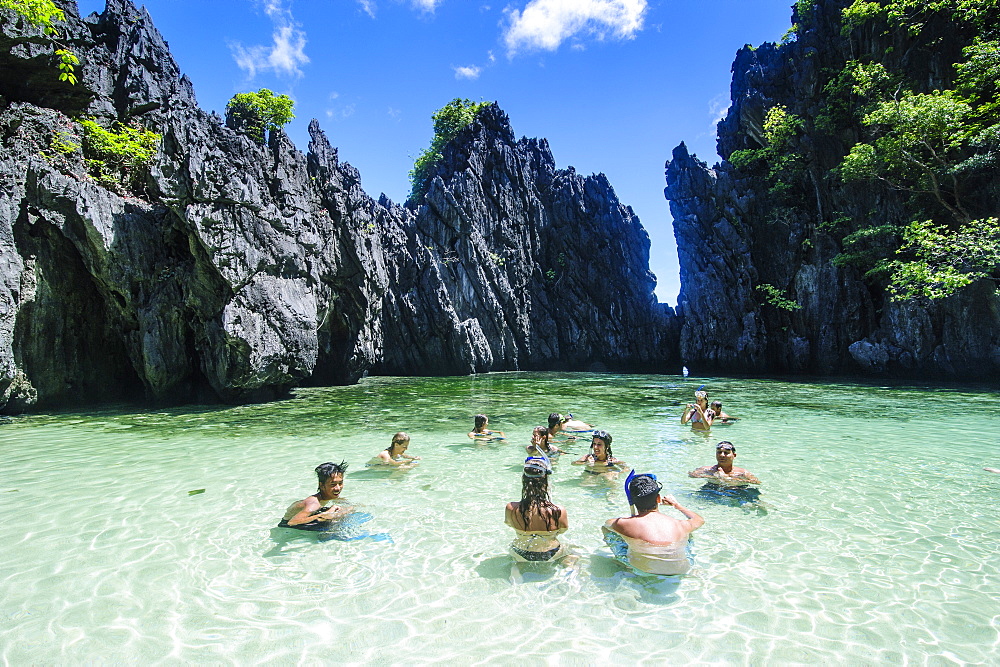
{"type": "Point", "coordinates": [331, 478]}
{"type": "Point", "coordinates": [643, 491]}
{"type": "Point", "coordinates": [717, 406]}
{"type": "Point", "coordinates": [556, 418]}
{"type": "Point", "coordinates": [725, 452]}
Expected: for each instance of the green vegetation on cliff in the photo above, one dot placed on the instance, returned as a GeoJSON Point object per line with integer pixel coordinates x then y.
{"type": "Point", "coordinates": [449, 120]}
{"type": "Point", "coordinates": [915, 104]}
{"type": "Point", "coordinates": [258, 112]}
{"type": "Point", "coordinates": [44, 13]}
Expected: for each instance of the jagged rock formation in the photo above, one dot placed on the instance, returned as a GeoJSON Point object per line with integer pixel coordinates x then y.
{"type": "Point", "coordinates": [737, 234]}
{"type": "Point", "coordinates": [237, 270]}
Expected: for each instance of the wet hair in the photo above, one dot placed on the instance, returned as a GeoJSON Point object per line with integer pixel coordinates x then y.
{"type": "Point", "coordinates": [606, 437]}
{"type": "Point", "coordinates": [398, 439]}
{"type": "Point", "coordinates": [325, 471]}
{"type": "Point", "coordinates": [555, 418]}
{"type": "Point", "coordinates": [643, 490]}
{"type": "Point", "coordinates": [727, 444]}
{"type": "Point", "coordinates": [716, 405]}
{"type": "Point", "coordinates": [480, 422]}
{"type": "Point", "coordinates": [535, 497]}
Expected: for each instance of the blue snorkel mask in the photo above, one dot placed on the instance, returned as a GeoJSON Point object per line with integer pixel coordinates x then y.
{"type": "Point", "coordinates": [537, 466]}
{"type": "Point", "coordinates": [628, 483]}
{"type": "Point", "coordinates": [628, 480]}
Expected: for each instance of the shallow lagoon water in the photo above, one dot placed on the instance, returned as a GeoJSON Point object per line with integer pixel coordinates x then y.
{"type": "Point", "coordinates": [876, 540]}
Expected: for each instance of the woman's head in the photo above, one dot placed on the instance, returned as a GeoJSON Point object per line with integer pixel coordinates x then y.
{"type": "Point", "coordinates": [400, 441]}
{"type": "Point", "coordinates": [535, 493]}
{"type": "Point", "coordinates": [481, 422]}
{"type": "Point", "coordinates": [701, 397]}
{"type": "Point", "coordinates": [540, 436]}
{"type": "Point", "coordinates": [600, 445]}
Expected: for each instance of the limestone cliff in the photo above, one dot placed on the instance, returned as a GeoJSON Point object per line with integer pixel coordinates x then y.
{"type": "Point", "coordinates": [235, 269]}
{"type": "Point", "coordinates": [760, 291]}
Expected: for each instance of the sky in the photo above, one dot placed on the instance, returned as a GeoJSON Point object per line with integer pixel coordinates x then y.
{"type": "Point", "coordinates": [614, 85]}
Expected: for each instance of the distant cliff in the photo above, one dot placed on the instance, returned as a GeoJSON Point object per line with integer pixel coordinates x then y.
{"type": "Point", "coordinates": [783, 258]}
{"type": "Point", "coordinates": [235, 270]}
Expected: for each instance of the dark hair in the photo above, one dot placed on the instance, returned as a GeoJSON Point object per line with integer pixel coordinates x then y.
{"type": "Point", "coordinates": [325, 471]}
{"type": "Point", "coordinates": [726, 442]}
{"type": "Point", "coordinates": [716, 403]}
{"type": "Point", "coordinates": [606, 437]}
{"type": "Point", "coordinates": [535, 496]}
{"type": "Point", "coordinates": [643, 490]}
{"type": "Point", "coordinates": [480, 422]}
{"type": "Point", "coordinates": [554, 418]}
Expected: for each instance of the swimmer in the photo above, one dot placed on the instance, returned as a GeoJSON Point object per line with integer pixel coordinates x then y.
{"type": "Point", "coordinates": [698, 413]}
{"type": "Point", "coordinates": [395, 454]}
{"type": "Point", "coordinates": [556, 421]}
{"type": "Point", "coordinates": [480, 430]}
{"type": "Point", "coordinates": [318, 511]}
{"type": "Point", "coordinates": [718, 415]}
{"type": "Point", "coordinates": [570, 424]}
{"type": "Point", "coordinates": [600, 460]}
{"type": "Point", "coordinates": [724, 472]}
{"type": "Point", "coordinates": [542, 445]}
{"type": "Point", "coordinates": [536, 520]}
{"type": "Point", "coordinates": [650, 541]}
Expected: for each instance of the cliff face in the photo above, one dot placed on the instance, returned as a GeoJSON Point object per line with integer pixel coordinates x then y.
{"type": "Point", "coordinates": [745, 236]}
{"type": "Point", "coordinates": [235, 270]}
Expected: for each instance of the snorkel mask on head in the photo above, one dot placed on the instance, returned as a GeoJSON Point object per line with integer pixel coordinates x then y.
{"type": "Point", "coordinates": [537, 466]}
{"type": "Point", "coordinates": [654, 486]}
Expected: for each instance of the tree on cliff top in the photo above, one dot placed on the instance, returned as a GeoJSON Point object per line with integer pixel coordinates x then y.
{"type": "Point", "coordinates": [255, 113]}
{"type": "Point", "coordinates": [449, 120]}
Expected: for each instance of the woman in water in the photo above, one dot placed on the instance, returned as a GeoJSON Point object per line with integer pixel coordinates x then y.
{"type": "Point", "coordinates": [698, 413]}
{"type": "Point", "coordinates": [600, 460]}
{"type": "Point", "coordinates": [395, 454]}
{"type": "Point", "coordinates": [480, 430]}
{"type": "Point", "coordinates": [542, 445]}
{"type": "Point", "coordinates": [536, 520]}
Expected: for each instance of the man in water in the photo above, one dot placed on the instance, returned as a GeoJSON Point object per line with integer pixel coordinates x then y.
{"type": "Point", "coordinates": [318, 511]}
{"type": "Point", "coordinates": [650, 541]}
{"type": "Point", "coordinates": [724, 472]}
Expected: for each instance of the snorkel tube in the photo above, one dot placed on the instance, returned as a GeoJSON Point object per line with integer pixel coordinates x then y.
{"type": "Point", "coordinates": [628, 496]}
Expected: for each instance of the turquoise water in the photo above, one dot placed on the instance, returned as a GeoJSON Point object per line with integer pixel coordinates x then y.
{"type": "Point", "coordinates": [876, 540]}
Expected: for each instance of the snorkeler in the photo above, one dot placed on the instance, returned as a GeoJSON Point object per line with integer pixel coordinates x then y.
{"type": "Point", "coordinates": [542, 445]}
{"type": "Point", "coordinates": [719, 416]}
{"type": "Point", "coordinates": [724, 472]}
{"type": "Point", "coordinates": [570, 424]}
{"type": "Point", "coordinates": [480, 429]}
{"type": "Point", "coordinates": [650, 541]}
{"type": "Point", "coordinates": [323, 507]}
{"type": "Point", "coordinates": [698, 413]}
{"type": "Point", "coordinates": [395, 454]}
{"type": "Point", "coordinates": [536, 520]}
{"type": "Point", "coordinates": [599, 460]}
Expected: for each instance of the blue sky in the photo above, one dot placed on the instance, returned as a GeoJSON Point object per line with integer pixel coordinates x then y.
{"type": "Point", "coordinates": [614, 85]}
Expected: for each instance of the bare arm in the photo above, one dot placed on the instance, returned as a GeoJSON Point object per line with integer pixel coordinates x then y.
{"type": "Point", "coordinates": [582, 460]}
{"type": "Point", "coordinates": [694, 520]}
{"type": "Point", "coordinates": [704, 471]}
{"type": "Point", "coordinates": [309, 512]}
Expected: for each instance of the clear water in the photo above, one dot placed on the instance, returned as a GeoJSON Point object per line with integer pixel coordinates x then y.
{"type": "Point", "coordinates": [878, 542]}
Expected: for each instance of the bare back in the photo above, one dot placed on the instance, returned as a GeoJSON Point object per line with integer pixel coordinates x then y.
{"type": "Point", "coordinates": [653, 528]}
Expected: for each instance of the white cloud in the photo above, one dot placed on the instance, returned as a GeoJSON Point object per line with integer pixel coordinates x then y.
{"type": "Point", "coordinates": [470, 72]}
{"type": "Point", "coordinates": [426, 5]}
{"type": "Point", "coordinates": [545, 24]}
{"type": "Point", "coordinates": [718, 106]}
{"type": "Point", "coordinates": [368, 6]}
{"type": "Point", "coordinates": [287, 52]}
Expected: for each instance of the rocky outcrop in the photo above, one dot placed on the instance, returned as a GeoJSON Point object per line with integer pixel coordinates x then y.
{"type": "Point", "coordinates": [235, 270]}
{"type": "Point", "coordinates": [759, 291]}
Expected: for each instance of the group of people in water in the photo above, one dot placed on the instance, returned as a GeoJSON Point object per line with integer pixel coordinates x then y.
{"type": "Point", "coordinates": [647, 540]}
